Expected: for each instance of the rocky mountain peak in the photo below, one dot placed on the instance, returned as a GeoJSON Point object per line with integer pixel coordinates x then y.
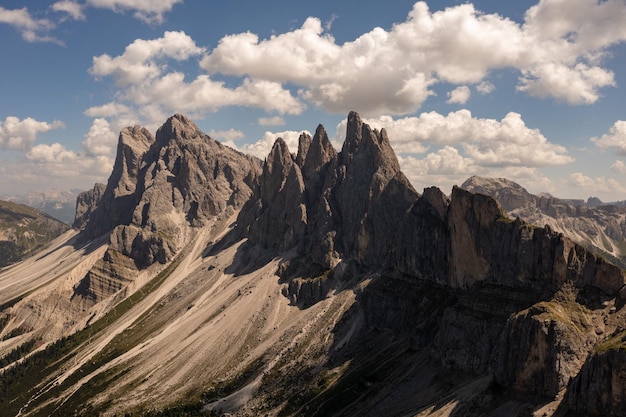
{"type": "Point", "coordinates": [429, 286]}
{"type": "Point", "coordinates": [178, 127]}
{"type": "Point", "coordinates": [319, 154]}
{"type": "Point", "coordinates": [279, 157]}
{"type": "Point", "coordinates": [163, 188]}
{"type": "Point", "coordinates": [100, 210]}
{"type": "Point", "coordinates": [304, 142]}
{"type": "Point", "coordinates": [277, 166]}
{"type": "Point", "coordinates": [599, 227]}
{"type": "Point", "coordinates": [508, 193]}
{"type": "Point", "coordinates": [133, 143]}
{"type": "Point", "coordinates": [354, 134]}
{"type": "Point", "coordinates": [342, 199]}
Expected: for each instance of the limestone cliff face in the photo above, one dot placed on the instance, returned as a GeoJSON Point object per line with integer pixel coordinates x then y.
{"type": "Point", "coordinates": [99, 211]}
{"type": "Point", "coordinates": [469, 240]}
{"type": "Point", "coordinates": [276, 215]}
{"type": "Point", "coordinates": [399, 303]}
{"type": "Point", "coordinates": [160, 191]}
{"type": "Point", "coordinates": [544, 346]}
{"type": "Point", "coordinates": [330, 206]}
{"type": "Point", "coordinates": [600, 227]}
{"type": "Point", "coordinates": [86, 203]}
{"type": "Point", "coordinates": [598, 390]}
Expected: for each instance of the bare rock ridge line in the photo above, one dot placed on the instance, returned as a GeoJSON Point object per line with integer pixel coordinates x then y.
{"type": "Point", "coordinates": [338, 290]}
{"type": "Point", "coordinates": [598, 226]}
{"type": "Point", "coordinates": [368, 214]}
{"type": "Point", "coordinates": [330, 206]}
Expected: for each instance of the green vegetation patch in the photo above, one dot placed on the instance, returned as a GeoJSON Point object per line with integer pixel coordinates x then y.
{"type": "Point", "coordinates": [18, 353]}
{"type": "Point", "coordinates": [565, 309]}
{"type": "Point", "coordinates": [615, 342]}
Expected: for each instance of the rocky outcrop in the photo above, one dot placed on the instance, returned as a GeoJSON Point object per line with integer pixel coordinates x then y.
{"type": "Point", "coordinates": [163, 186]}
{"type": "Point", "coordinates": [161, 190]}
{"type": "Point", "coordinates": [598, 390]}
{"type": "Point", "coordinates": [99, 211]}
{"type": "Point", "coordinates": [275, 217]}
{"type": "Point", "coordinates": [469, 240]}
{"type": "Point", "coordinates": [107, 277]}
{"type": "Point", "coordinates": [599, 227]}
{"type": "Point", "coordinates": [86, 203]}
{"type": "Point", "coordinates": [341, 214]}
{"type": "Point", "coordinates": [544, 346]}
{"type": "Point", "coordinates": [404, 304]}
{"type": "Point", "coordinates": [330, 206]}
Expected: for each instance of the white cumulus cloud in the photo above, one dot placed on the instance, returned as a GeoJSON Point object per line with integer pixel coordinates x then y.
{"type": "Point", "coordinates": [150, 11]}
{"type": "Point", "coordinates": [229, 135]}
{"type": "Point", "coordinates": [459, 95]}
{"type": "Point", "coordinates": [596, 184]}
{"type": "Point", "coordinates": [271, 121]}
{"type": "Point", "coordinates": [50, 163]}
{"type": "Point", "coordinates": [31, 29]}
{"type": "Point", "coordinates": [615, 139]}
{"type": "Point", "coordinates": [143, 60]}
{"type": "Point", "coordinates": [485, 87]}
{"type": "Point", "coordinates": [262, 147]}
{"type": "Point", "coordinates": [72, 8]}
{"type": "Point", "coordinates": [578, 84]}
{"type": "Point", "coordinates": [101, 140]}
{"type": "Point", "coordinates": [21, 134]}
{"type": "Point", "coordinates": [152, 91]}
{"type": "Point", "coordinates": [558, 54]}
{"type": "Point", "coordinates": [489, 142]}
{"type": "Point", "coordinates": [107, 110]}
{"type": "Point", "coordinates": [619, 166]}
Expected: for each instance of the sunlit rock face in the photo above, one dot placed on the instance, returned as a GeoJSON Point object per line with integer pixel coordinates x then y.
{"type": "Point", "coordinates": [161, 191]}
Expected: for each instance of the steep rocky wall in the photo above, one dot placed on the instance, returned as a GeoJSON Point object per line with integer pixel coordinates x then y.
{"type": "Point", "coordinates": [595, 225]}
{"type": "Point", "coordinates": [162, 189]}
{"type": "Point", "coordinates": [469, 239]}
{"type": "Point", "coordinates": [544, 346]}
{"type": "Point", "coordinates": [99, 211]}
{"type": "Point", "coordinates": [330, 206]}
{"type": "Point", "coordinates": [599, 389]}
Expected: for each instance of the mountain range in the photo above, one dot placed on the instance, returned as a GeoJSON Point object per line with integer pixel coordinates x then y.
{"type": "Point", "coordinates": [601, 227]}
{"type": "Point", "coordinates": [56, 203]}
{"type": "Point", "coordinates": [202, 281]}
{"type": "Point", "coordinates": [25, 230]}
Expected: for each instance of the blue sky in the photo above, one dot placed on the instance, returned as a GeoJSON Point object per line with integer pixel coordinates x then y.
{"type": "Point", "coordinates": [531, 91]}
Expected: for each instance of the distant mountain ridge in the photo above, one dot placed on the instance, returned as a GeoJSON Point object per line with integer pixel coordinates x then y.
{"type": "Point", "coordinates": [318, 282]}
{"type": "Point", "coordinates": [24, 230]}
{"type": "Point", "coordinates": [594, 224]}
{"type": "Point", "coordinates": [59, 204]}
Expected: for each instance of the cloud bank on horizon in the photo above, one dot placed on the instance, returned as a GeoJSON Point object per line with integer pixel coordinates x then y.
{"type": "Point", "coordinates": [559, 52]}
